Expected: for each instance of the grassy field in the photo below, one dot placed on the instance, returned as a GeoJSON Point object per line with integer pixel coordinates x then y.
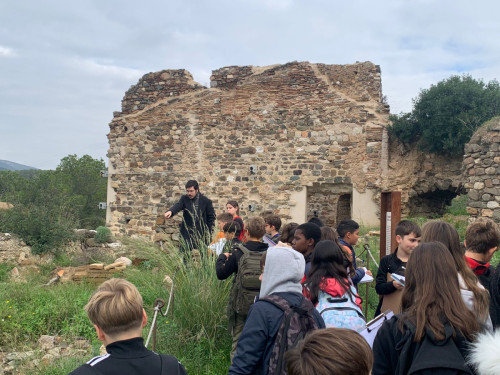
{"type": "Point", "coordinates": [195, 332]}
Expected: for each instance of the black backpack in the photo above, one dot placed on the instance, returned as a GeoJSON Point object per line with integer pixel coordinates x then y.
{"type": "Point", "coordinates": [296, 323]}
{"type": "Point", "coordinates": [446, 357]}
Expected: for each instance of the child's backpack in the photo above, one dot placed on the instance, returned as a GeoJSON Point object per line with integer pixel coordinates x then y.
{"type": "Point", "coordinates": [341, 312]}
{"type": "Point", "coordinates": [446, 357]}
{"type": "Point", "coordinates": [296, 323]}
{"type": "Point", "coordinates": [247, 283]}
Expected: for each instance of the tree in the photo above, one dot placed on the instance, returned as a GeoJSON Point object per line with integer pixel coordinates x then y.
{"type": "Point", "coordinates": [445, 116]}
{"type": "Point", "coordinates": [81, 178]}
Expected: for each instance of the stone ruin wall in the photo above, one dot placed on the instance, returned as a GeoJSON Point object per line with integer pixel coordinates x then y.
{"type": "Point", "coordinates": [270, 137]}
{"type": "Point", "coordinates": [427, 182]}
{"type": "Point", "coordinates": [481, 171]}
{"type": "Point", "coordinates": [260, 135]}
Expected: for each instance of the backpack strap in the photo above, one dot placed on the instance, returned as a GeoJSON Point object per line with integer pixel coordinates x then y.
{"type": "Point", "coordinates": [282, 304]}
{"type": "Point", "coordinates": [243, 249]}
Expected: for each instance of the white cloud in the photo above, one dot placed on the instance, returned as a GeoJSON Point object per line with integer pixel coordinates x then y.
{"type": "Point", "coordinates": [106, 70]}
{"type": "Point", "coordinates": [7, 52]}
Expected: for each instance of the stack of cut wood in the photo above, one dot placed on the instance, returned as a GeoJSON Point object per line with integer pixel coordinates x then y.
{"type": "Point", "coordinates": [97, 272]}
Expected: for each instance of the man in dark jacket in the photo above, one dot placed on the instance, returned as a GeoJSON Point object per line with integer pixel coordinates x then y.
{"type": "Point", "coordinates": [198, 216]}
{"type": "Point", "coordinates": [283, 271]}
{"type": "Point", "coordinates": [116, 311]}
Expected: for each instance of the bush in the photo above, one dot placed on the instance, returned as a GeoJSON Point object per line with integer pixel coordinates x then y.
{"type": "Point", "coordinates": [45, 229]}
{"type": "Point", "coordinates": [42, 214]}
{"type": "Point", "coordinates": [103, 235]}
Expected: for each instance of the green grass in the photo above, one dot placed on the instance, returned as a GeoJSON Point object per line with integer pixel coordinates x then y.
{"type": "Point", "coordinates": [196, 333]}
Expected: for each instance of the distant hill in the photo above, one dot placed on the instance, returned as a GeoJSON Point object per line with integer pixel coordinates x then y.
{"type": "Point", "coordinates": [6, 165]}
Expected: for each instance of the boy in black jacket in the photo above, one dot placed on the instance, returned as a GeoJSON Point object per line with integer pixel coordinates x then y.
{"type": "Point", "coordinates": [408, 237]}
{"type": "Point", "coordinates": [116, 311]}
{"type": "Point", "coordinates": [228, 264]}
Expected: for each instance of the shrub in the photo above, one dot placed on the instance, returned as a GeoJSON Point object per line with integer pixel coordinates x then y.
{"type": "Point", "coordinates": [42, 214]}
{"type": "Point", "coordinates": [44, 228]}
{"type": "Point", "coordinates": [103, 235]}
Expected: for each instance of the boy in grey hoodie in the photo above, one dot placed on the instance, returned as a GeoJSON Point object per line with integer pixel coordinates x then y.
{"type": "Point", "coordinates": [283, 271]}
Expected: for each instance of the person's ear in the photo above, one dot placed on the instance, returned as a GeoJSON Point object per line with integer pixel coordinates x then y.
{"type": "Point", "coordinates": [144, 318]}
{"type": "Point", "coordinates": [491, 252]}
{"type": "Point", "coordinates": [100, 333]}
{"type": "Point", "coordinates": [465, 244]}
{"type": "Point", "coordinates": [399, 238]}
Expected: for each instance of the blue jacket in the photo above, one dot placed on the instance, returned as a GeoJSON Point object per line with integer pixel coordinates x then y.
{"type": "Point", "coordinates": [257, 339]}
{"type": "Point", "coordinates": [360, 272]}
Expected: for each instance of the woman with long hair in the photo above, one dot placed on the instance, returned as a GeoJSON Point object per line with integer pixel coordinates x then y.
{"type": "Point", "coordinates": [473, 293]}
{"type": "Point", "coordinates": [233, 208]}
{"type": "Point", "coordinates": [328, 287]}
{"type": "Point", "coordinates": [435, 329]}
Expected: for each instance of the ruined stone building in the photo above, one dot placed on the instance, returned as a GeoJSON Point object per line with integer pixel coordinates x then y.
{"type": "Point", "coordinates": [298, 139]}
{"type": "Point", "coordinates": [482, 172]}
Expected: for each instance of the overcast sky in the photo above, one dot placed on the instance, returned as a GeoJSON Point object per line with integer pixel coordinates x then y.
{"type": "Point", "coordinates": [65, 64]}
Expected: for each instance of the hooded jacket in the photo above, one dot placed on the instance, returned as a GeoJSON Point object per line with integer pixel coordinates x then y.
{"type": "Point", "coordinates": [283, 272]}
{"type": "Point", "coordinates": [468, 298]}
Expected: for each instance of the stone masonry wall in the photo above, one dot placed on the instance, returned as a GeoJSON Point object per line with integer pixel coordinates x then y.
{"type": "Point", "coordinates": [417, 174]}
{"type": "Point", "coordinates": [481, 171]}
{"type": "Point", "coordinates": [258, 135]}
{"type": "Point", "coordinates": [155, 86]}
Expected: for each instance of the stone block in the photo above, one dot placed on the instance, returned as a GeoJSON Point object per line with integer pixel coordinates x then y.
{"type": "Point", "coordinates": [493, 204]}
{"type": "Point", "coordinates": [490, 170]}
{"type": "Point", "coordinates": [487, 213]}
{"type": "Point", "coordinates": [479, 185]}
{"type": "Point", "coordinates": [472, 210]}
{"type": "Point", "coordinates": [473, 194]}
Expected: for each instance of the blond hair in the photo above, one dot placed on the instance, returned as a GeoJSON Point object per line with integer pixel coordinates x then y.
{"type": "Point", "coordinates": [116, 307]}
